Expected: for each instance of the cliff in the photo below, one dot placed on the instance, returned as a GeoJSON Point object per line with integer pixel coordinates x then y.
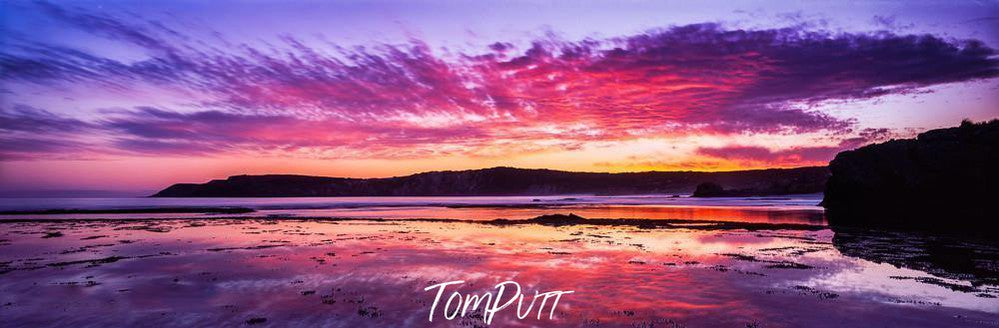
{"type": "Point", "coordinates": [493, 181]}
{"type": "Point", "coordinates": [944, 179]}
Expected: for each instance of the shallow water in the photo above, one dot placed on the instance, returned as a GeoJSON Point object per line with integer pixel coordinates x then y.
{"type": "Point", "coordinates": [805, 201]}
{"type": "Point", "coordinates": [784, 209]}
{"type": "Point", "coordinates": [352, 273]}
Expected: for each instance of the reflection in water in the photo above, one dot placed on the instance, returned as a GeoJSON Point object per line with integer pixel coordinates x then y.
{"type": "Point", "coordinates": [807, 201]}
{"type": "Point", "coordinates": [372, 273]}
{"type": "Point", "coordinates": [679, 212]}
{"type": "Point", "coordinates": [791, 209]}
{"type": "Point", "coordinates": [973, 261]}
{"type": "Point", "coordinates": [709, 213]}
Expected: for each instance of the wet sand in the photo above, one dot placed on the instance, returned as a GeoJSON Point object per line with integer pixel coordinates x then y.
{"type": "Point", "coordinates": [358, 272]}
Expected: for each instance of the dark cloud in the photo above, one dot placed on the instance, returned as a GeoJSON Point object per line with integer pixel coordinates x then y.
{"type": "Point", "coordinates": [22, 118]}
{"type": "Point", "coordinates": [105, 25]}
{"type": "Point", "coordinates": [166, 147]}
{"type": "Point", "coordinates": [154, 130]}
{"type": "Point", "coordinates": [21, 145]}
{"type": "Point", "coordinates": [871, 135]}
{"type": "Point", "coordinates": [27, 132]}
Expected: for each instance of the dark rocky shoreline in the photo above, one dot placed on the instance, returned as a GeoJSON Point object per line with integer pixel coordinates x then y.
{"type": "Point", "coordinates": [943, 180]}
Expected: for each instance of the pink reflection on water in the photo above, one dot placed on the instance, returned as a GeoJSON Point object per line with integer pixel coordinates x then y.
{"type": "Point", "coordinates": [363, 273]}
{"type": "Point", "coordinates": [678, 212]}
{"type": "Point", "coordinates": [798, 209]}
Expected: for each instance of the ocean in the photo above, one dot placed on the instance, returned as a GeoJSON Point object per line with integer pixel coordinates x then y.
{"type": "Point", "coordinates": [802, 209]}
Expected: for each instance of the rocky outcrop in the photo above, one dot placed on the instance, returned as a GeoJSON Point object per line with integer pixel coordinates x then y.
{"type": "Point", "coordinates": [709, 189]}
{"type": "Point", "coordinates": [944, 179]}
{"type": "Point", "coordinates": [493, 181]}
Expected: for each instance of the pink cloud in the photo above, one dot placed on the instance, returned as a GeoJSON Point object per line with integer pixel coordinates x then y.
{"type": "Point", "coordinates": [395, 101]}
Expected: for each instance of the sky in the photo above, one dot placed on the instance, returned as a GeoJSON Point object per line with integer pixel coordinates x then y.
{"type": "Point", "coordinates": [128, 95]}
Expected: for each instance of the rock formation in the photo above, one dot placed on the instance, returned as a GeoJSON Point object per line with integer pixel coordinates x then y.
{"type": "Point", "coordinates": [944, 180]}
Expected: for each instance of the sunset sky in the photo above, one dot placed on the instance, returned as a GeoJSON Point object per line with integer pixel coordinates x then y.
{"type": "Point", "coordinates": [129, 96]}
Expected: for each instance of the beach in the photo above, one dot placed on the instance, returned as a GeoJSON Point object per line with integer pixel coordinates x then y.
{"type": "Point", "coordinates": [347, 272]}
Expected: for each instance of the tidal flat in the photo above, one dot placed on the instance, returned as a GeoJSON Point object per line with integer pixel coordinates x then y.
{"type": "Point", "coordinates": [368, 272]}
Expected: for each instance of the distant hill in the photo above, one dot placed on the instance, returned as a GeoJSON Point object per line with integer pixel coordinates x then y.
{"type": "Point", "coordinates": [944, 179]}
{"type": "Point", "coordinates": [501, 181]}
